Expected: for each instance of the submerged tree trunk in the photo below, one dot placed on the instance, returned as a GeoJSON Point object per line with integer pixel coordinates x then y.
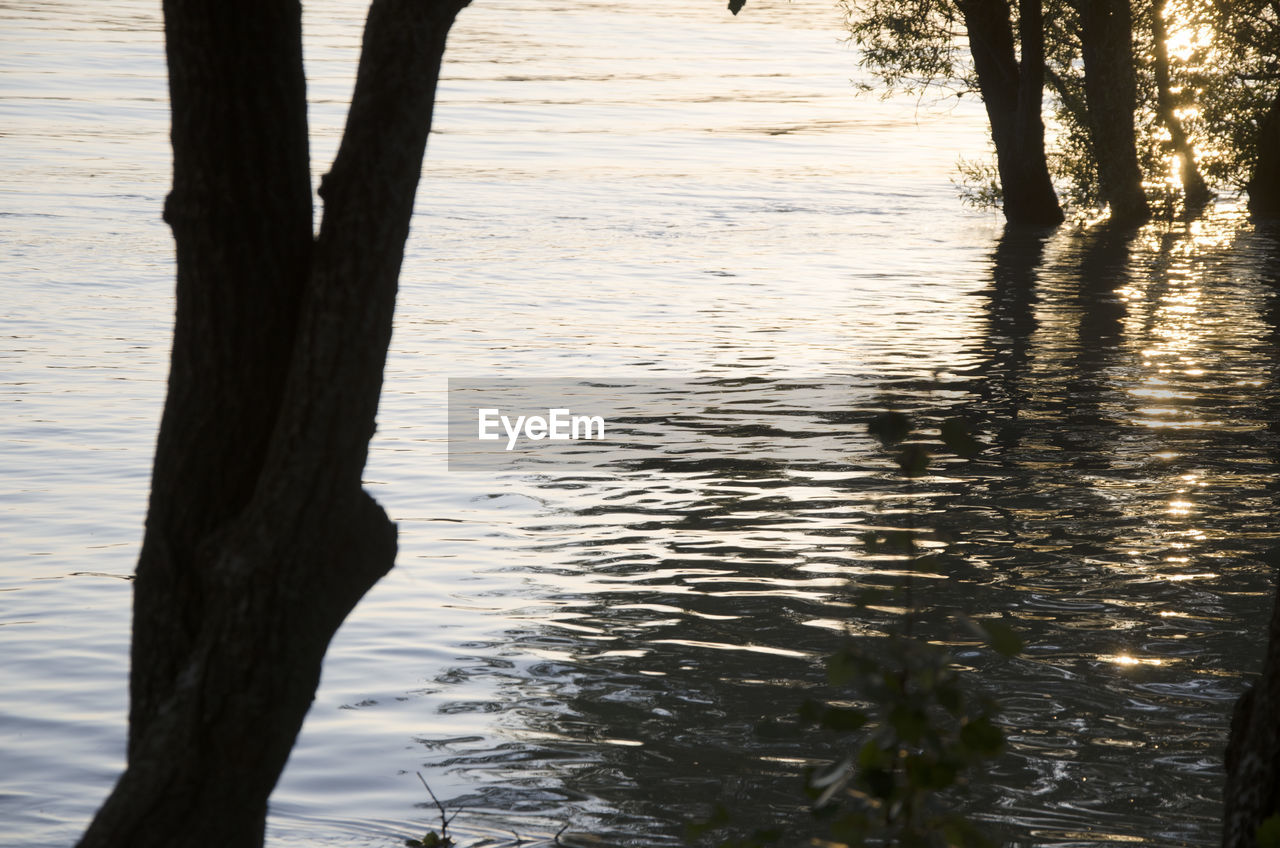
{"type": "Point", "coordinates": [1252, 792]}
{"type": "Point", "coordinates": [1264, 186]}
{"type": "Point", "coordinates": [1195, 193]}
{"type": "Point", "coordinates": [1106, 35]}
{"type": "Point", "coordinates": [260, 538]}
{"type": "Point", "coordinates": [1013, 94]}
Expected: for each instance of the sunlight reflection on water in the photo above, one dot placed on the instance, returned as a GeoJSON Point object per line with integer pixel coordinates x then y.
{"type": "Point", "coordinates": [666, 193]}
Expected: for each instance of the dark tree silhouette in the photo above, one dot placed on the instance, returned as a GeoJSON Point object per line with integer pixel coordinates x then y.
{"type": "Point", "coordinates": [912, 46]}
{"type": "Point", "coordinates": [1252, 791]}
{"type": "Point", "coordinates": [1239, 100]}
{"type": "Point", "coordinates": [1106, 37]}
{"type": "Point", "coordinates": [1264, 185]}
{"type": "Point", "coordinates": [1013, 91]}
{"type": "Point", "coordinates": [259, 537]}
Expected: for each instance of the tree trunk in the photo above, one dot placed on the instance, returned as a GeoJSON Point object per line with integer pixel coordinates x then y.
{"type": "Point", "coordinates": [1264, 187]}
{"type": "Point", "coordinates": [259, 537]}
{"type": "Point", "coordinates": [1013, 95]}
{"type": "Point", "coordinates": [1106, 35]}
{"type": "Point", "coordinates": [1195, 193]}
{"type": "Point", "coordinates": [1252, 792]}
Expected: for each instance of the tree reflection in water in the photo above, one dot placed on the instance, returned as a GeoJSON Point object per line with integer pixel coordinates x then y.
{"type": "Point", "coordinates": [1123, 384]}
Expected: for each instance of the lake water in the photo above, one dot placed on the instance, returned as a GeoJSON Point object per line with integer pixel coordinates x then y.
{"type": "Point", "coordinates": [660, 191]}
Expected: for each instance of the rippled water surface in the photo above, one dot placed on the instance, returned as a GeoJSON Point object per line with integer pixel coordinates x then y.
{"type": "Point", "coordinates": [661, 191]}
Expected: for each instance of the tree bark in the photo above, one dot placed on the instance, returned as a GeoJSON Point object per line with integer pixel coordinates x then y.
{"type": "Point", "coordinates": [1264, 186]}
{"type": "Point", "coordinates": [1195, 193]}
{"type": "Point", "coordinates": [1252, 791]}
{"type": "Point", "coordinates": [1012, 93]}
{"type": "Point", "coordinates": [1106, 35]}
{"type": "Point", "coordinates": [260, 538]}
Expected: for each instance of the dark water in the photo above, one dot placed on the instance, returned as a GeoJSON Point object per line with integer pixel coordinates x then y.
{"type": "Point", "coordinates": [1121, 516]}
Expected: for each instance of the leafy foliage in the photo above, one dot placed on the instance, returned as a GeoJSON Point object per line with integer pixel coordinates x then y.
{"type": "Point", "coordinates": [1224, 77]}
{"type": "Point", "coordinates": [915, 729]}
{"type": "Point", "coordinates": [910, 45]}
{"type": "Point", "coordinates": [1236, 75]}
{"type": "Point", "coordinates": [915, 733]}
{"type": "Point", "coordinates": [978, 182]}
{"type": "Point", "coordinates": [1268, 835]}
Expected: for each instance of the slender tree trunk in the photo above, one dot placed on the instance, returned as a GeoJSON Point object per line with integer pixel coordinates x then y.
{"type": "Point", "coordinates": [1264, 187]}
{"type": "Point", "coordinates": [1106, 33]}
{"type": "Point", "coordinates": [1013, 93]}
{"type": "Point", "coordinates": [259, 537]}
{"type": "Point", "coordinates": [1195, 193]}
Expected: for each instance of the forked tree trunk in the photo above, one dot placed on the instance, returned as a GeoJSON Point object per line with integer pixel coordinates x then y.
{"type": "Point", "coordinates": [1264, 186]}
{"type": "Point", "coordinates": [260, 538]}
{"type": "Point", "coordinates": [1106, 35]}
{"type": "Point", "coordinates": [1013, 93]}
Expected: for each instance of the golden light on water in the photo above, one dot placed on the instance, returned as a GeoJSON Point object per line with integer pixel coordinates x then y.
{"type": "Point", "coordinates": [1170, 368]}
{"type": "Point", "coordinates": [1130, 661]}
{"type": "Point", "coordinates": [1160, 394]}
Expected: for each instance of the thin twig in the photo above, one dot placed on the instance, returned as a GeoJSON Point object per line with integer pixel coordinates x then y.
{"type": "Point", "coordinates": [444, 819]}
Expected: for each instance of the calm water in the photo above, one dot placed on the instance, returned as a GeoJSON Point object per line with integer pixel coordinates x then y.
{"type": "Point", "coordinates": [659, 191]}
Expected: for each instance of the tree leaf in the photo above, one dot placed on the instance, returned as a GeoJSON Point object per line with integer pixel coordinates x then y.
{"type": "Point", "coordinates": [1002, 637]}
{"type": "Point", "coordinates": [1269, 833]}
{"type": "Point", "coordinates": [982, 737]}
{"type": "Point", "coordinates": [890, 427]}
{"type": "Point", "coordinates": [879, 783]}
{"type": "Point", "coordinates": [950, 698]}
{"type": "Point", "coordinates": [913, 460]}
{"type": "Point", "coordinates": [909, 723]}
{"type": "Point", "coordinates": [843, 718]}
{"type": "Point", "coordinates": [958, 438]}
